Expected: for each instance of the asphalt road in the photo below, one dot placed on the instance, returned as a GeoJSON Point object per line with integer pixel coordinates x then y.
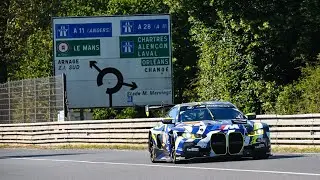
{"type": "Point", "coordinates": [16, 164]}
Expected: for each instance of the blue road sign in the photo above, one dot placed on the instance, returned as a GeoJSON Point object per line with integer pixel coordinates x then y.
{"type": "Point", "coordinates": [127, 47]}
{"type": "Point", "coordinates": [87, 30]}
{"type": "Point", "coordinates": [130, 99]}
{"type": "Point", "coordinates": [149, 26]}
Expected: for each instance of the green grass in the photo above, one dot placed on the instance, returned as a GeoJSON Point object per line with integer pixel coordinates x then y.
{"type": "Point", "coordinates": [275, 149]}
{"type": "Point", "coordinates": [78, 146]}
{"type": "Point", "coordinates": [296, 149]}
{"type": "Point", "coordinates": [3, 146]}
{"type": "Point", "coordinates": [97, 146]}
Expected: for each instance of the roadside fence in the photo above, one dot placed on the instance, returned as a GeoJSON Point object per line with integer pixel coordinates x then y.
{"type": "Point", "coordinates": [32, 100]}
{"type": "Point", "coordinates": [297, 130]}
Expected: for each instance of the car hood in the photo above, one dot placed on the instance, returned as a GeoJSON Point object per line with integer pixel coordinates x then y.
{"type": "Point", "coordinates": [206, 126]}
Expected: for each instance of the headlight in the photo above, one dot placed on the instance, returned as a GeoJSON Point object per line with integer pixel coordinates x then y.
{"type": "Point", "coordinates": [257, 132]}
{"type": "Point", "coordinates": [191, 136]}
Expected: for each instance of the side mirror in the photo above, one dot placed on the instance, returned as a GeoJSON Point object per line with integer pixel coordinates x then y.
{"type": "Point", "coordinates": [251, 116]}
{"type": "Point", "coordinates": [167, 121]}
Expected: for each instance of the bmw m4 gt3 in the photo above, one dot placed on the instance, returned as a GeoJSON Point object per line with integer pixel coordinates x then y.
{"type": "Point", "coordinates": [208, 129]}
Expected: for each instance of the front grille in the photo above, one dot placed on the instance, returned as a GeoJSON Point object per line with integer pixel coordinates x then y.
{"type": "Point", "coordinates": [235, 142]}
{"type": "Point", "coordinates": [218, 143]}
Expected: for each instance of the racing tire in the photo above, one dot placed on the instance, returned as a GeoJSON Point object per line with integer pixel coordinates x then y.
{"type": "Point", "coordinates": [152, 150]}
{"type": "Point", "coordinates": [173, 155]}
{"type": "Point", "coordinates": [173, 152]}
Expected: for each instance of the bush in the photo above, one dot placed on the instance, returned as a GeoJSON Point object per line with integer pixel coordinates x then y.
{"type": "Point", "coordinates": [104, 113]}
{"type": "Point", "coordinates": [288, 100]}
{"type": "Point", "coordinates": [310, 90]}
{"type": "Point", "coordinates": [127, 113]}
{"type": "Point", "coordinates": [303, 96]}
{"type": "Point", "coordinates": [111, 113]}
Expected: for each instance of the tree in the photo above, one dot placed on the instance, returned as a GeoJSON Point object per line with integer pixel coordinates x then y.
{"type": "Point", "coordinates": [302, 96]}
{"type": "Point", "coordinates": [29, 38]}
{"type": "Point", "coordinates": [4, 9]}
{"type": "Point", "coordinates": [252, 53]}
{"type": "Point", "coordinates": [248, 50]}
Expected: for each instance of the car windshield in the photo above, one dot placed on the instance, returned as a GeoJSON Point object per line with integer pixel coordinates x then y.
{"type": "Point", "coordinates": [226, 113]}
{"type": "Point", "coordinates": [203, 113]}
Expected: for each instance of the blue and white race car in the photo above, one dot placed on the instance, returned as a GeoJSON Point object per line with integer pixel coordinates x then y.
{"type": "Point", "coordinates": [208, 129]}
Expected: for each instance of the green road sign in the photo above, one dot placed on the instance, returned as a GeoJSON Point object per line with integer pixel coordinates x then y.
{"type": "Point", "coordinates": [71, 48]}
{"type": "Point", "coordinates": [155, 62]}
{"type": "Point", "coordinates": [144, 46]}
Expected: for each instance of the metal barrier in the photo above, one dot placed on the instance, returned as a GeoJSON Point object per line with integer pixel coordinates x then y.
{"type": "Point", "coordinates": [285, 130]}
{"type": "Point", "coordinates": [300, 129]}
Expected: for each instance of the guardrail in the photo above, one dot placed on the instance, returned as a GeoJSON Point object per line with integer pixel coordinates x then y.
{"type": "Point", "coordinates": [285, 130]}
{"type": "Point", "coordinates": [300, 130]}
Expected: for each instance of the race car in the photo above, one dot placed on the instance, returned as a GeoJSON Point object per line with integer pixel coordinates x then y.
{"type": "Point", "coordinates": [208, 129]}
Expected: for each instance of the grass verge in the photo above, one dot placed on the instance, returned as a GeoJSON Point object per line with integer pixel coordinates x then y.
{"type": "Point", "coordinates": [77, 146]}
{"type": "Point", "coordinates": [275, 149]}
{"type": "Point", "coordinates": [296, 149]}
{"type": "Point", "coordinates": [111, 146]}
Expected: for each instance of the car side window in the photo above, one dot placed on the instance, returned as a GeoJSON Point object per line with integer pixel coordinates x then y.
{"type": "Point", "coordinates": [173, 113]}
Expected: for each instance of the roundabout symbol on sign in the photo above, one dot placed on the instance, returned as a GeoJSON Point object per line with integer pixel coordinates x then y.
{"type": "Point", "coordinates": [117, 73]}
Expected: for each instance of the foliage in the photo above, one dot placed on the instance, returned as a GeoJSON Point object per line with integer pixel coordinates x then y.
{"type": "Point", "coordinates": [249, 50]}
{"type": "Point", "coordinates": [261, 55]}
{"type": "Point", "coordinates": [185, 55]}
{"type": "Point", "coordinates": [288, 100]}
{"type": "Point", "coordinates": [227, 65]}
{"type": "Point", "coordinates": [3, 47]}
{"type": "Point", "coordinates": [310, 88]}
{"type": "Point", "coordinates": [112, 113]}
{"type": "Point", "coordinates": [29, 38]}
{"type": "Point", "coordinates": [105, 113]}
{"type": "Point", "coordinates": [129, 112]}
{"type": "Point", "coordinates": [36, 61]}
{"type": "Point", "coordinates": [302, 96]}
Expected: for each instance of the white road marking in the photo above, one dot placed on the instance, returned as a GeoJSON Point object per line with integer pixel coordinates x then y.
{"type": "Point", "coordinates": [178, 167]}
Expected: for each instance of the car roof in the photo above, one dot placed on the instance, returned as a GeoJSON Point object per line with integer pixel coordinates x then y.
{"type": "Point", "coordinates": [209, 103]}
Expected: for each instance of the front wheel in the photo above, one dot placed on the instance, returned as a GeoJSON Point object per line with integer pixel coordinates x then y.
{"type": "Point", "coordinates": [173, 151]}
{"type": "Point", "coordinates": [174, 158]}
{"type": "Point", "coordinates": [174, 155]}
{"type": "Point", "coordinates": [152, 150]}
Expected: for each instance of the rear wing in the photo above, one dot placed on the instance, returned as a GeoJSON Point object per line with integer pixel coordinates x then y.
{"type": "Point", "coordinates": [163, 107]}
